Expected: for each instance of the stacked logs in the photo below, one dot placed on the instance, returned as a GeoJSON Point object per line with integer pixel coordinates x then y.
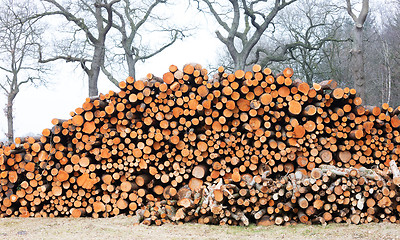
{"type": "Point", "coordinates": [231, 149]}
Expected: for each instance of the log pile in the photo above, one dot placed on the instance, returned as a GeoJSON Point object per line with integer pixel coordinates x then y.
{"type": "Point", "coordinates": [235, 148]}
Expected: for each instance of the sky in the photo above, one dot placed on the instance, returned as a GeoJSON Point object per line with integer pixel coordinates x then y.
{"type": "Point", "coordinates": [67, 89]}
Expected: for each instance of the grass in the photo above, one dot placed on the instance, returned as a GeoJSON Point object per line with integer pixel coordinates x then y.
{"type": "Point", "coordinates": [122, 228]}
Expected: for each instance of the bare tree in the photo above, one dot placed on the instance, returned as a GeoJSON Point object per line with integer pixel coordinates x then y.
{"type": "Point", "coordinates": [131, 19]}
{"type": "Point", "coordinates": [357, 51]}
{"type": "Point", "coordinates": [387, 74]}
{"type": "Point", "coordinates": [81, 13]}
{"type": "Point", "coordinates": [390, 49]}
{"type": "Point", "coordinates": [303, 31]}
{"type": "Point", "coordinates": [19, 36]}
{"type": "Point", "coordinates": [249, 22]}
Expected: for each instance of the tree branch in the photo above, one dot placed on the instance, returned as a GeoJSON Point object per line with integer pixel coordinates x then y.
{"type": "Point", "coordinates": [70, 17]}
{"type": "Point", "coordinates": [216, 15]}
{"type": "Point", "coordinates": [173, 40]}
{"type": "Point", "coordinates": [148, 12]}
{"type": "Point", "coordinates": [364, 12]}
{"type": "Point", "coordinates": [5, 69]}
{"type": "Point", "coordinates": [235, 22]}
{"type": "Point", "coordinates": [250, 13]}
{"type": "Point", "coordinates": [109, 10]}
{"type": "Point", "coordinates": [350, 11]}
{"type": "Point", "coordinates": [256, 36]}
{"type": "Point", "coordinates": [66, 58]}
{"type": "Point", "coordinates": [29, 79]}
{"type": "Point", "coordinates": [109, 76]}
{"type": "Point", "coordinates": [288, 48]}
{"type": "Point", "coordinates": [359, 21]}
{"type": "Point", "coordinates": [7, 92]}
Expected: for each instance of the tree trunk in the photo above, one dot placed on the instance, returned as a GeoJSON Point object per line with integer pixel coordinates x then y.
{"type": "Point", "coordinates": [99, 46]}
{"type": "Point", "coordinates": [239, 61]}
{"type": "Point", "coordinates": [93, 78]}
{"type": "Point", "coordinates": [10, 118]}
{"type": "Point", "coordinates": [358, 62]}
{"type": "Point", "coordinates": [131, 64]}
{"type": "Point", "coordinates": [93, 74]}
{"type": "Point", "coordinates": [387, 78]}
{"type": "Point", "coordinates": [357, 52]}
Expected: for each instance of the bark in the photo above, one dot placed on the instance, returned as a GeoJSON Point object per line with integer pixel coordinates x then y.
{"type": "Point", "coordinates": [131, 64]}
{"type": "Point", "coordinates": [357, 51]}
{"type": "Point", "coordinates": [387, 78]}
{"type": "Point", "coordinates": [357, 59]}
{"type": "Point", "coordinates": [93, 78]}
{"type": "Point", "coordinates": [10, 119]}
{"type": "Point", "coordinates": [99, 47]}
{"type": "Point", "coordinates": [94, 72]}
{"type": "Point", "coordinates": [240, 61]}
{"type": "Point", "coordinates": [11, 94]}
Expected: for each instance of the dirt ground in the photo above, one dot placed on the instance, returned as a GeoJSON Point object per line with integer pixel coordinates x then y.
{"type": "Point", "coordinates": [122, 228]}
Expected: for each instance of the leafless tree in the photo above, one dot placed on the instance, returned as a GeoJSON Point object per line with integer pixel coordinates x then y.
{"type": "Point", "coordinates": [387, 78]}
{"type": "Point", "coordinates": [19, 36]}
{"type": "Point", "coordinates": [357, 51]}
{"type": "Point", "coordinates": [303, 31]}
{"type": "Point", "coordinates": [132, 19]}
{"type": "Point", "coordinates": [390, 49]}
{"type": "Point", "coordinates": [88, 17]}
{"type": "Point", "coordinates": [249, 21]}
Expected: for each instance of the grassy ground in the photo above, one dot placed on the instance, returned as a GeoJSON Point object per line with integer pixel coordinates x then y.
{"type": "Point", "coordinates": [122, 228]}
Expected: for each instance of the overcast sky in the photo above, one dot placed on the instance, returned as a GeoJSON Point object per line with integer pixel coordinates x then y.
{"type": "Point", "coordinates": [67, 89]}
